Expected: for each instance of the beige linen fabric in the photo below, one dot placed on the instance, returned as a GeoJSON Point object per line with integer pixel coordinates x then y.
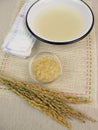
{"type": "Point", "coordinates": [78, 63]}
{"type": "Point", "coordinates": [15, 114]}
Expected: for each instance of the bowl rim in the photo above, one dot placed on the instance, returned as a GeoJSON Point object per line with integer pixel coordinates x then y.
{"type": "Point", "coordinates": [60, 42]}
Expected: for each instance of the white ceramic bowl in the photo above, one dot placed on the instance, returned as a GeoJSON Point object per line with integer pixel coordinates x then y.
{"type": "Point", "coordinates": [75, 5]}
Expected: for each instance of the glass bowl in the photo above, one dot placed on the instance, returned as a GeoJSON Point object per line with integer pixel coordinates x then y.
{"type": "Point", "coordinates": [45, 67]}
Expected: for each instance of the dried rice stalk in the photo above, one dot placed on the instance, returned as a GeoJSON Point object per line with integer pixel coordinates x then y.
{"type": "Point", "coordinates": [48, 101]}
{"type": "Point", "coordinates": [66, 98]}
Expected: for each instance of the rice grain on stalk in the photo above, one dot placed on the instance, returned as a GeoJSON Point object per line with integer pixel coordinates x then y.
{"type": "Point", "coordinates": [52, 103]}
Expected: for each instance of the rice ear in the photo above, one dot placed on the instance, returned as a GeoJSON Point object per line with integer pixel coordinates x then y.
{"type": "Point", "coordinates": [49, 102]}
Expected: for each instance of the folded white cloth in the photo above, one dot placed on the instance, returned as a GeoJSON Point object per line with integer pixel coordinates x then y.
{"type": "Point", "coordinates": [19, 40]}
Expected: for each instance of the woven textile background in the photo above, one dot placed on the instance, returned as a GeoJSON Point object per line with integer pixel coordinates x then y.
{"type": "Point", "coordinates": [78, 65]}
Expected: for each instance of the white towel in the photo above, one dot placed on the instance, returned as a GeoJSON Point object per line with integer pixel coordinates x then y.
{"type": "Point", "coordinates": [19, 40]}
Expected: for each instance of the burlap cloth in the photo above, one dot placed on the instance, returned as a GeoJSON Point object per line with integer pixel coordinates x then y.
{"type": "Point", "coordinates": [78, 60]}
